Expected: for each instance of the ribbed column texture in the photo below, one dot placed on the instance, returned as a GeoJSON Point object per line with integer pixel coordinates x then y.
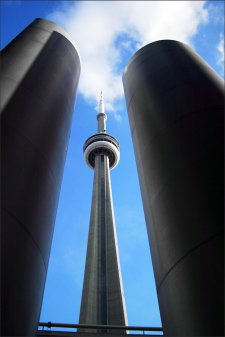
{"type": "Point", "coordinates": [102, 298]}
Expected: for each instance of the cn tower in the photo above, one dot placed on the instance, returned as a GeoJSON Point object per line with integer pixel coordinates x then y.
{"type": "Point", "coordinates": [102, 298]}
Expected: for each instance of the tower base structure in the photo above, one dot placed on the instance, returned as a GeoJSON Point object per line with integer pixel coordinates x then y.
{"type": "Point", "coordinates": [175, 103]}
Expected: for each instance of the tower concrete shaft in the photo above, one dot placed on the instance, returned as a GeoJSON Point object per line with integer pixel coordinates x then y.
{"type": "Point", "coordinates": [102, 298]}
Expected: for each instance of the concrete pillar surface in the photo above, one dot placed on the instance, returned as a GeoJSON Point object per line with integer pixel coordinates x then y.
{"type": "Point", "coordinates": [102, 297]}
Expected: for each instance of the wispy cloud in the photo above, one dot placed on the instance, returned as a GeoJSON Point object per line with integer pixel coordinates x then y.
{"type": "Point", "coordinates": [216, 12]}
{"type": "Point", "coordinates": [104, 30]}
{"type": "Point", "coordinates": [69, 259]}
{"type": "Point", "coordinates": [220, 53]}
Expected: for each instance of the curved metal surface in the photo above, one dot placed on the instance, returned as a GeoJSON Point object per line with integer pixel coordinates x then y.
{"type": "Point", "coordinates": [39, 79]}
{"type": "Point", "coordinates": [99, 137]}
{"type": "Point", "coordinates": [102, 147]}
{"type": "Point", "coordinates": [175, 104]}
{"type": "Point", "coordinates": [101, 143]}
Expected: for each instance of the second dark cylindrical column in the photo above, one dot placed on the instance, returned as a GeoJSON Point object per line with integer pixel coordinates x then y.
{"type": "Point", "coordinates": [175, 104]}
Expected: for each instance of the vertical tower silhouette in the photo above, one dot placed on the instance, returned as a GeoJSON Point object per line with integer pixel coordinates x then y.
{"type": "Point", "coordinates": [102, 297]}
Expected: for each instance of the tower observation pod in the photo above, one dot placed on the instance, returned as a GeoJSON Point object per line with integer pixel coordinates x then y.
{"type": "Point", "coordinates": [102, 298]}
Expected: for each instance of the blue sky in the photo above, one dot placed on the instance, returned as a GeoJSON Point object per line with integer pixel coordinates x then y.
{"type": "Point", "coordinates": [106, 35]}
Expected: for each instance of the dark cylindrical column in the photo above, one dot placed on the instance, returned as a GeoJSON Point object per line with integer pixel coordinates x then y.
{"type": "Point", "coordinates": [40, 72]}
{"type": "Point", "coordinates": [175, 104]}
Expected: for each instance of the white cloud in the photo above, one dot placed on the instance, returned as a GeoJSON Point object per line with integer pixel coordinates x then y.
{"type": "Point", "coordinates": [220, 53]}
{"type": "Point", "coordinates": [104, 30]}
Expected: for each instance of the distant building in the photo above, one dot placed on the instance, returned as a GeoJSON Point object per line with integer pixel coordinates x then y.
{"type": "Point", "coordinates": [102, 297]}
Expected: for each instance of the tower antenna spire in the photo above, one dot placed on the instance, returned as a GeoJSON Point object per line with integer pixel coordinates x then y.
{"type": "Point", "coordinates": [101, 104]}
{"type": "Point", "coordinates": [101, 116]}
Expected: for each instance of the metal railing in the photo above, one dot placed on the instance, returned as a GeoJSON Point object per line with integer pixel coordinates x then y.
{"type": "Point", "coordinates": [50, 325]}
